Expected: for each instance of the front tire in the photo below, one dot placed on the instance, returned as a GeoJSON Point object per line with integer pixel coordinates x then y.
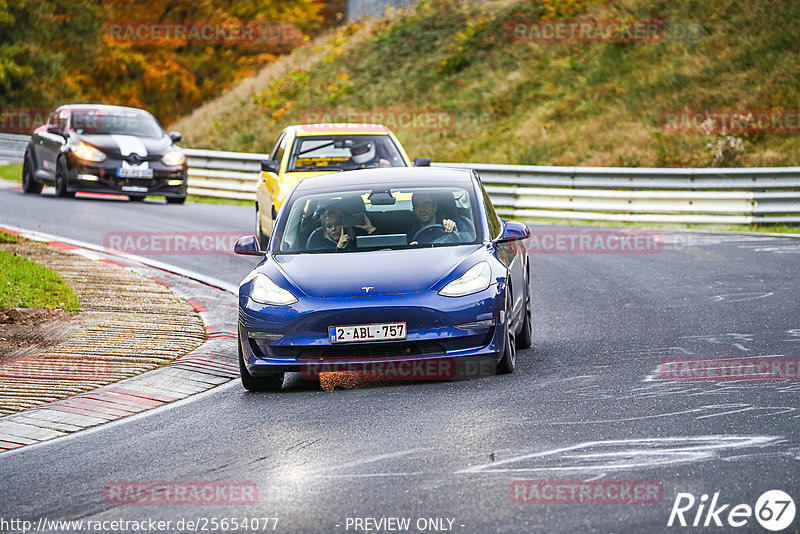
{"type": "Point", "coordinates": [508, 362]}
{"type": "Point", "coordinates": [525, 337]}
{"type": "Point", "coordinates": [272, 382]}
{"type": "Point", "coordinates": [29, 183]}
{"type": "Point", "coordinates": [61, 179]}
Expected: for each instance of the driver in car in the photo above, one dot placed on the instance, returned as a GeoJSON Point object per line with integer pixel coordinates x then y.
{"type": "Point", "coordinates": [424, 209]}
{"type": "Point", "coordinates": [365, 156]}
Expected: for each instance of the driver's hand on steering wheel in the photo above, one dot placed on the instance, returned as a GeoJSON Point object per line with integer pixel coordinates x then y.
{"type": "Point", "coordinates": [449, 225]}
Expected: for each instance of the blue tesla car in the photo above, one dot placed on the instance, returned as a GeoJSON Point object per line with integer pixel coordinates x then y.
{"type": "Point", "coordinates": [384, 267]}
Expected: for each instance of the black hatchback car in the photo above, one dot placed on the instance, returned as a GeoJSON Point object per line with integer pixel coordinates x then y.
{"type": "Point", "coordinates": [105, 149]}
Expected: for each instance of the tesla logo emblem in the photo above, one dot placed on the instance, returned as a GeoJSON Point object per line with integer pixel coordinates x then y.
{"type": "Point", "coordinates": [367, 288]}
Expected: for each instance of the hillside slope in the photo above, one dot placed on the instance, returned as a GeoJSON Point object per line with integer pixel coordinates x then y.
{"type": "Point", "coordinates": [503, 99]}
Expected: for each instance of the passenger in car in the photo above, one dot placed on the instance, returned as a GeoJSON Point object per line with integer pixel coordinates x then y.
{"type": "Point", "coordinates": [333, 235]}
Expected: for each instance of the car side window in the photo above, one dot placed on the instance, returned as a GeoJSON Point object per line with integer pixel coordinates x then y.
{"type": "Point", "coordinates": [280, 148]}
{"type": "Point", "coordinates": [63, 119]}
{"type": "Point", "coordinates": [494, 220]}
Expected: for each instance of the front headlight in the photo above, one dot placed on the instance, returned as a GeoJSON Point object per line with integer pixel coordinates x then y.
{"type": "Point", "coordinates": [265, 291]}
{"type": "Point", "coordinates": [87, 152]}
{"type": "Point", "coordinates": [476, 279]}
{"type": "Point", "coordinates": [176, 157]}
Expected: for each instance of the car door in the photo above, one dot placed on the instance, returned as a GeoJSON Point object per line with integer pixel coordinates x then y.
{"type": "Point", "coordinates": [51, 139]}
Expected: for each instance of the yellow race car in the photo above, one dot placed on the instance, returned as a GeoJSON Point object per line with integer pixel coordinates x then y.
{"type": "Point", "coordinates": [308, 150]}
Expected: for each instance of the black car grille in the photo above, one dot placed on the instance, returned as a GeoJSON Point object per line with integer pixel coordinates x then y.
{"type": "Point", "coordinates": [371, 350]}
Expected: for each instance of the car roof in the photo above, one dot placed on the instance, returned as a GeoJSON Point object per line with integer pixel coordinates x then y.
{"type": "Point", "coordinates": [304, 130]}
{"type": "Point", "coordinates": [391, 177]}
{"type": "Point", "coordinates": [101, 107]}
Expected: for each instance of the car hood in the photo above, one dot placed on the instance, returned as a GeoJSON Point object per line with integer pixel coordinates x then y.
{"type": "Point", "coordinates": [122, 145]}
{"type": "Point", "coordinates": [385, 272]}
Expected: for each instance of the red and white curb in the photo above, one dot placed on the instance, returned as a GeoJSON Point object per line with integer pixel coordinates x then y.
{"type": "Point", "coordinates": [215, 362]}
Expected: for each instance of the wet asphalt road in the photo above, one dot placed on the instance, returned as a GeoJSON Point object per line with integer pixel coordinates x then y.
{"type": "Point", "coordinates": [586, 403]}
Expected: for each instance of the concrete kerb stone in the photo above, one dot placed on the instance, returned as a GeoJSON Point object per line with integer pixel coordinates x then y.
{"type": "Point", "coordinates": [211, 364]}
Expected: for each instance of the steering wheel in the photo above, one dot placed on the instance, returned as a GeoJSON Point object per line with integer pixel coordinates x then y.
{"type": "Point", "coordinates": [435, 233]}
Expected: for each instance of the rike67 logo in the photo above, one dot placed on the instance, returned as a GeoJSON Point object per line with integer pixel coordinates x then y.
{"type": "Point", "coordinates": [774, 510]}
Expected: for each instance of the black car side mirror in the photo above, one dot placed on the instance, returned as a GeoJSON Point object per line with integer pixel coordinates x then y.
{"type": "Point", "coordinates": [269, 165]}
{"type": "Point", "coordinates": [175, 136]}
{"type": "Point", "coordinates": [422, 162]}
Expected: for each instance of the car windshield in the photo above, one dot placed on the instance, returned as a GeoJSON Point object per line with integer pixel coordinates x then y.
{"type": "Point", "coordinates": [344, 153]}
{"type": "Point", "coordinates": [378, 219]}
{"type": "Point", "coordinates": [114, 122]}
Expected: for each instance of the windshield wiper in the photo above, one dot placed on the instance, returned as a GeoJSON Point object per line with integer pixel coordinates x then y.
{"type": "Point", "coordinates": [316, 168]}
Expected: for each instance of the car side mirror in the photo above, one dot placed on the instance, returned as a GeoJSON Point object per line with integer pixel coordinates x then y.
{"type": "Point", "coordinates": [514, 231]}
{"type": "Point", "coordinates": [269, 165]}
{"type": "Point", "coordinates": [422, 162]}
{"type": "Point", "coordinates": [175, 136]}
{"type": "Point", "coordinates": [247, 246]}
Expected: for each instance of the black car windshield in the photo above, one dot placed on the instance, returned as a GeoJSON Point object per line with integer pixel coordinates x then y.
{"type": "Point", "coordinates": [115, 122]}
{"type": "Point", "coordinates": [377, 219]}
{"type": "Point", "coordinates": [343, 153]}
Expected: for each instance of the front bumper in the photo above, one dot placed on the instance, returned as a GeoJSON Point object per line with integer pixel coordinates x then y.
{"type": "Point", "coordinates": [431, 322]}
{"type": "Point", "coordinates": [102, 178]}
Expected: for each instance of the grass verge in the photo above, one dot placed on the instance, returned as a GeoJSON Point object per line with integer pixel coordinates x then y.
{"type": "Point", "coordinates": [11, 172]}
{"type": "Point", "coordinates": [26, 284]}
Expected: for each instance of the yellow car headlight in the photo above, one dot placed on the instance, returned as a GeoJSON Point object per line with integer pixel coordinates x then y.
{"type": "Point", "coordinates": [176, 157]}
{"type": "Point", "coordinates": [87, 152]}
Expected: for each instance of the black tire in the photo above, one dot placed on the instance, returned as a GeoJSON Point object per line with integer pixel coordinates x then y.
{"type": "Point", "coordinates": [262, 383]}
{"type": "Point", "coordinates": [525, 335]}
{"type": "Point", "coordinates": [29, 183]}
{"type": "Point", "coordinates": [136, 198]}
{"type": "Point", "coordinates": [176, 200]}
{"type": "Point", "coordinates": [509, 360]}
{"type": "Point", "coordinates": [61, 179]}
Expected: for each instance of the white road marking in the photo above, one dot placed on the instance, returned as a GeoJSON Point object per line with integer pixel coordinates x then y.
{"type": "Point", "coordinates": [627, 454]}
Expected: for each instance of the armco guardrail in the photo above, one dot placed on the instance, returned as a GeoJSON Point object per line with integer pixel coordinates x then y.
{"type": "Point", "coordinates": [220, 174]}
{"type": "Point", "coordinates": [623, 194]}
{"type": "Point", "coordinates": [700, 196]}
{"type": "Point", "coordinates": [12, 148]}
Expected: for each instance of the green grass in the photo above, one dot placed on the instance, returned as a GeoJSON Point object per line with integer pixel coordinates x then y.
{"type": "Point", "coordinates": [533, 103]}
{"type": "Point", "coordinates": [11, 172]}
{"type": "Point", "coordinates": [6, 237]}
{"type": "Point", "coordinates": [214, 200]}
{"type": "Point", "coordinates": [24, 283]}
